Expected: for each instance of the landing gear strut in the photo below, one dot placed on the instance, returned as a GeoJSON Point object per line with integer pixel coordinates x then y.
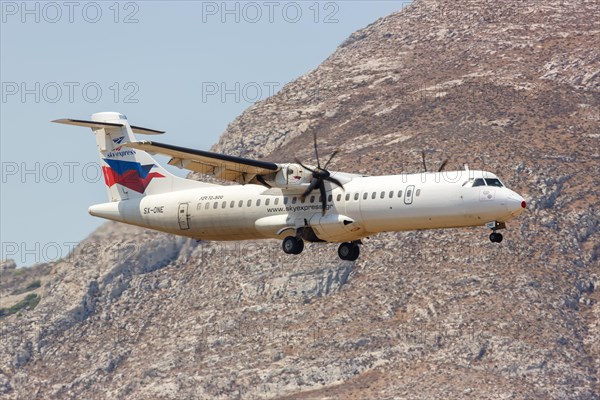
{"type": "Point", "coordinates": [349, 251]}
{"type": "Point", "coordinates": [495, 237]}
{"type": "Point", "coordinates": [292, 245]}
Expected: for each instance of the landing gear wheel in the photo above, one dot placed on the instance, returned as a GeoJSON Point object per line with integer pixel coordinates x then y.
{"type": "Point", "coordinates": [348, 251]}
{"type": "Point", "coordinates": [355, 253]}
{"type": "Point", "coordinates": [300, 245]}
{"type": "Point", "coordinates": [496, 237]}
{"type": "Point", "coordinates": [291, 245]}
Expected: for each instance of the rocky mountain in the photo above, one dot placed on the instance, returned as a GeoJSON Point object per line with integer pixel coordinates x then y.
{"type": "Point", "coordinates": [511, 87]}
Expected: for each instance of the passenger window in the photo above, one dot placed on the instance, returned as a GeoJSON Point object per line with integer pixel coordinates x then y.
{"type": "Point", "coordinates": [493, 182]}
{"type": "Point", "coordinates": [400, 194]}
{"type": "Point", "coordinates": [276, 200]}
{"type": "Point", "coordinates": [258, 203]}
{"type": "Point", "coordinates": [249, 203]}
{"type": "Point", "coordinates": [356, 196]}
{"type": "Point", "coordinates": [312, 199]}
{"type": "Point", "coordinates": [232, 204]}
{"type": "Point", "coordinates": [391, 194]}
{"type": "Point", "coordinates": [267, 201]}
{"type": "Point", "coordinates": [347, 196]}
{"type": "Point", "coordinates": [224, 204]}
{"type": "Point", "coordinates": [199, 206]}
{"type": "Point", "coordinates": [216, 205]}
{"type": "Point", "coordinates": [382, 195]}
{"type": "Point", "coordinates": [294, 200]}
{"type": "Point", "coordinates": [374, 195]}
{"type": "Point", "coordinates": [365, 194]}
{"type": "Point", "coordinates": [302, 200]}
{"type": "Point", "coordinates": [285, 200]}
{"type": "Point", "coordinates": [479, 182]}
{"type": "Point", "coordinates": [418, 192]}
{"type": "Point", "coordinates": [241, 203]}
{"type": "Point", "coordinates": [329, 198]}
{"type": "Point", "coordinates": [408, 193]}
{"type": "Point", "coordinates": [339, 197]}
{"type": "Point", "coordinates": [207, 206]}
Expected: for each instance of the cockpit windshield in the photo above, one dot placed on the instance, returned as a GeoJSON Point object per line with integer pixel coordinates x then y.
{"type": "Point", "coordinates": [487, 182]}
{"type": "Point", "coordinates": [493, 182]}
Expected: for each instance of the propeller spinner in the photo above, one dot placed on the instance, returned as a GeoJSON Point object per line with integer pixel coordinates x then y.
{"type": "Point", "coordinates": [319, 176]}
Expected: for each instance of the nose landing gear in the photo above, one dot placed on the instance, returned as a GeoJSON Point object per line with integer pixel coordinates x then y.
{"type": "Point", "coordinates": [495, 237]}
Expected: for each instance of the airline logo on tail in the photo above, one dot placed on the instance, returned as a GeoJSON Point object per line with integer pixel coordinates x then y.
{"type": "Point", "coordinates": [117, 150]}
{"type": "Point", "coordinates": [132, 175]}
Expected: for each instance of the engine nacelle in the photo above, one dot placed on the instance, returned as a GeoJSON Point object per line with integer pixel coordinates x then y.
{"type": "Point", "coordinates": [335, 227]}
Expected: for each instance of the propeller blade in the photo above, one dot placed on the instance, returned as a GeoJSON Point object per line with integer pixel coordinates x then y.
{"type": "Point", "coordinates": [330, 158]}
{"type": "Point", "coordinates": [323, 196]}
{"type": "Point", "coordinates": [316, 150]}
{"type": "Point", "coordinates": [423, 157]}
{"type": "Point", "coordinates": [333, 180]}
{"type": "Point", "coordinates": [443, 165]}
{"type": "Point", "coordinates": [311, 187]}
{"type": "Point", "coordinates": [304, 166]}
{"type": "Point", "coordinates": [261, 180]}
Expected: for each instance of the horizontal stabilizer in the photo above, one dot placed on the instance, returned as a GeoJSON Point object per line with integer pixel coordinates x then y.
{"type": "Point", "coordinates": [100, 125]}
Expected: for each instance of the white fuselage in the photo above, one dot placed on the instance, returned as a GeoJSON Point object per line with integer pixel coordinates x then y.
{"type": "Point", "coordinates": [365, 206]}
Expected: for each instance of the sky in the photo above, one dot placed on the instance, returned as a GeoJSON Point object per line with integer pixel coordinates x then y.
{"type": "Point", "coordinates": [188, 68]}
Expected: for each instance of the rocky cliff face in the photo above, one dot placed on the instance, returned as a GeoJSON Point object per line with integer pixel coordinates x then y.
{"type": "Point", "coordinates": [510, 87]}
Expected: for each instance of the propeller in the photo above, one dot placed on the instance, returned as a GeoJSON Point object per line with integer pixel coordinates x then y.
{"type": "Point", "coordinates": [319, 176]}
{"type": "Point", "coordinates": [440, 169]}
{"type": "Point", "coordinates": [443, 165]}
{"type": "Point", "coordinates": [261, 180]}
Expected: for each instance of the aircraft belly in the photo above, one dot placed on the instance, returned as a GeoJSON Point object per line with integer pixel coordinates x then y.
{"type": "Point", "coordinates": [223, 226]}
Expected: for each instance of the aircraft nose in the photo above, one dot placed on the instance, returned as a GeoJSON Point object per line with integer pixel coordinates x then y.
{"type": "Point", "coordinates": [515, 204]}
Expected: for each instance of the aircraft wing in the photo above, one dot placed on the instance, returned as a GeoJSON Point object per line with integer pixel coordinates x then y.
{"type": "Point", "coordinates": [222, 166]}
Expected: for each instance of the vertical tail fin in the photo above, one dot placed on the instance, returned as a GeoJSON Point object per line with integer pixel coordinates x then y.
{"type": "Point", "coordinates": [128, 173]}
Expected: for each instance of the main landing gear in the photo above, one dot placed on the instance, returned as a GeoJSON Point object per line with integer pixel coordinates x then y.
{"type": "Point", "coordinates": [348, 251]}
{"type": "Point", "coordinates": [292, 245]}
{"type": "Point", "coordinates": [495, 237]}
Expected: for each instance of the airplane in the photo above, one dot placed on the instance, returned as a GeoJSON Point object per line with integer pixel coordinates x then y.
{"type": "Point", "coordinates": [291, 202]}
